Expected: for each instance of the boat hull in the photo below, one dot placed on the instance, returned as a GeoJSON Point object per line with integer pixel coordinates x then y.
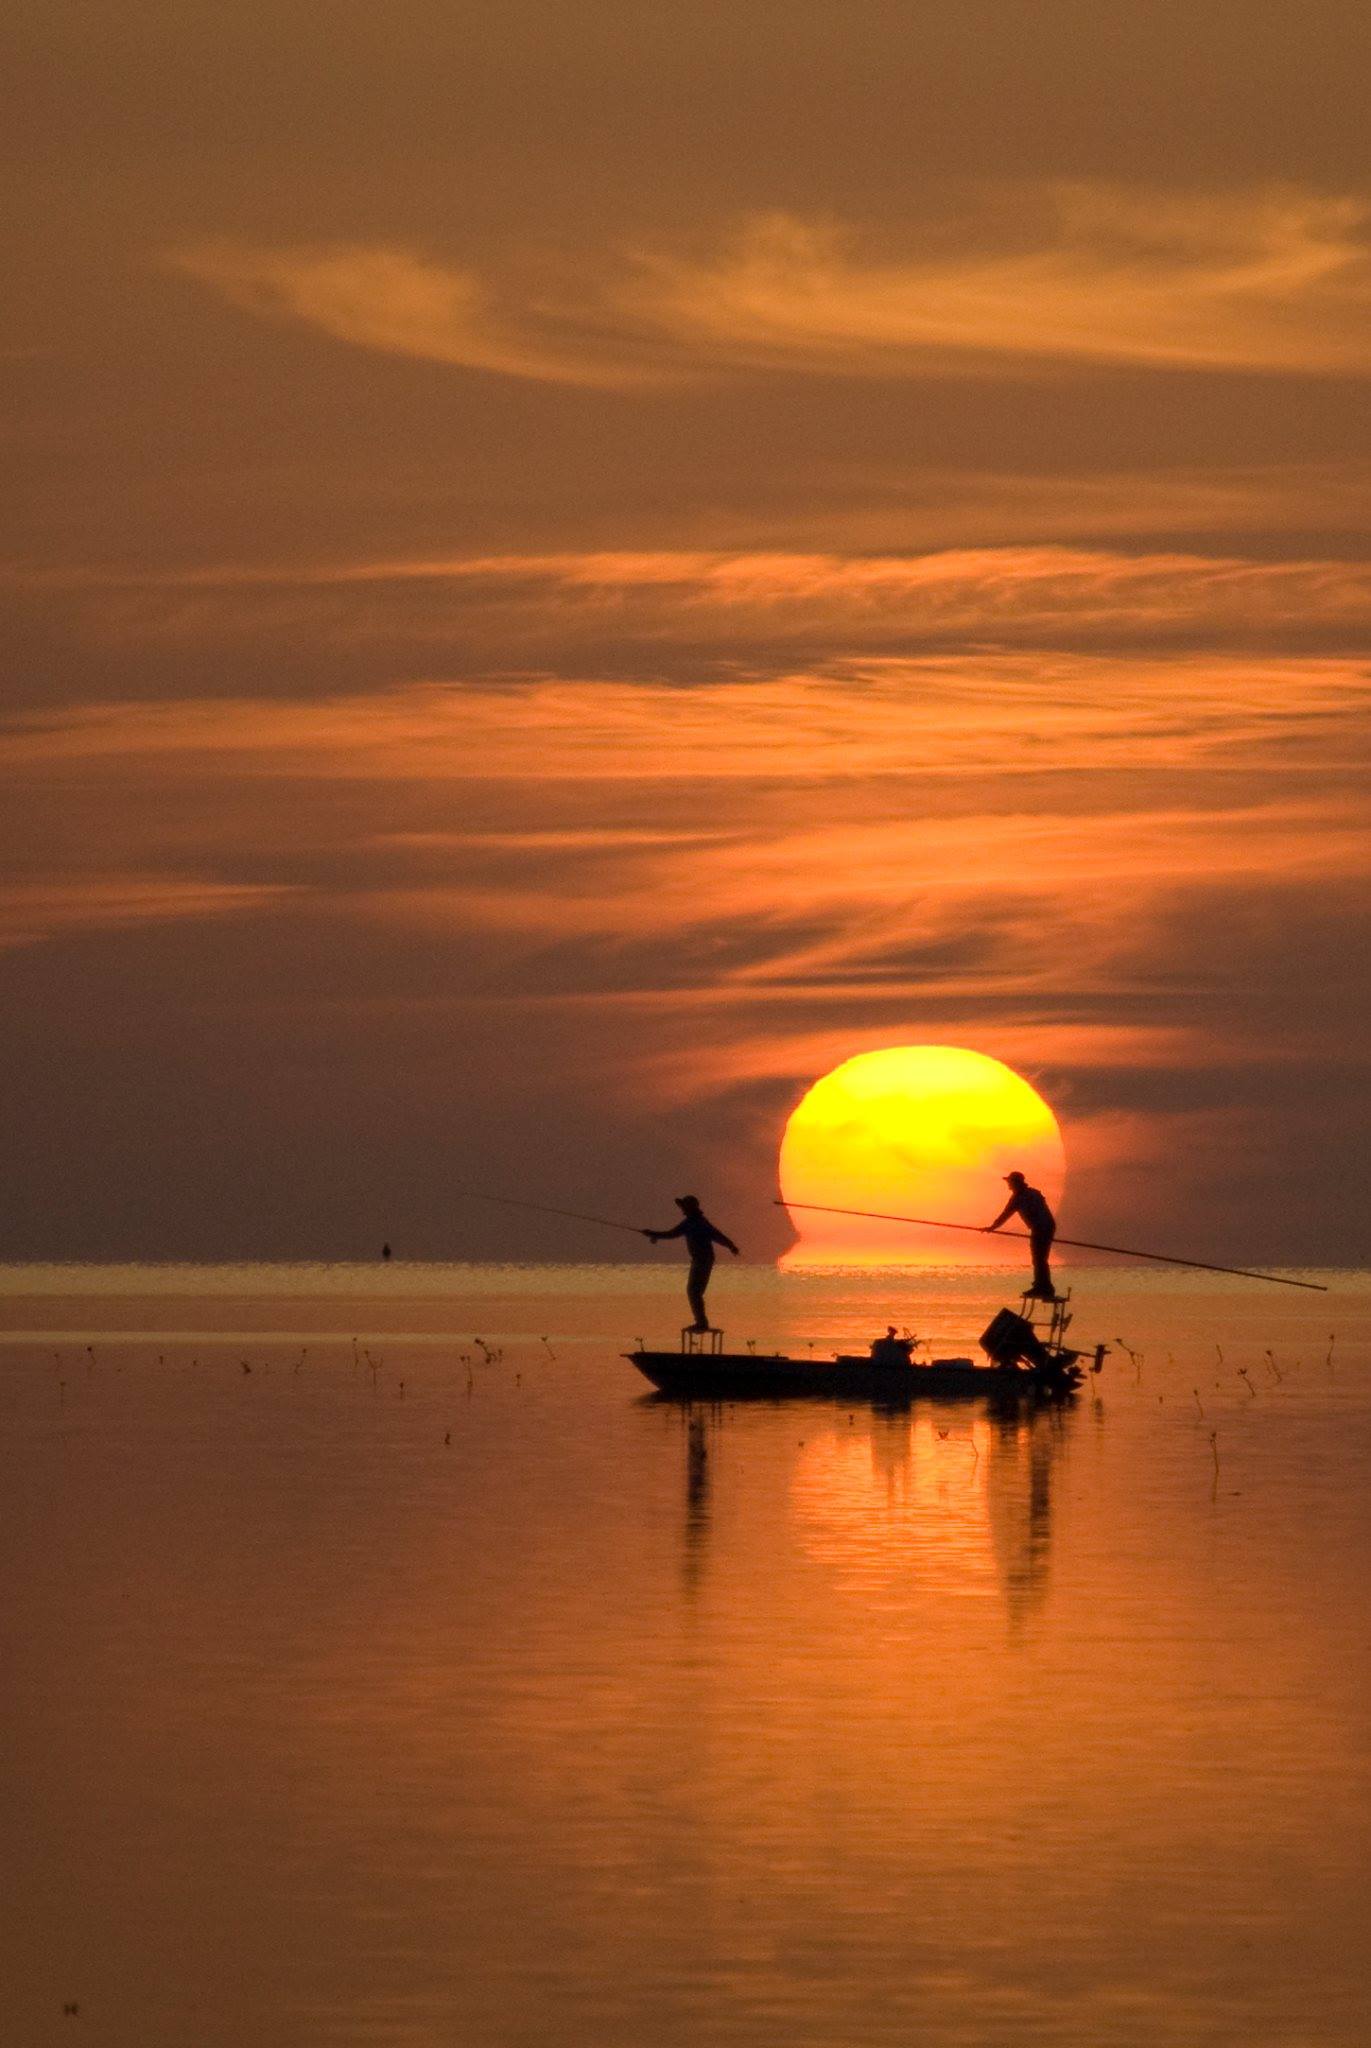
{"type": "Point", "coordinates": [739, 1376]}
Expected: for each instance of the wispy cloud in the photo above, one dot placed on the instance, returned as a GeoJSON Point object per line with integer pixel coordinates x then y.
{"type": "Point", "coordinates": [1269, 279]}
{"type": "Point", "coordinates": [404, 303]}
{"type": "Point", "coordinates": [34, 910]}
{"type": "Point", "coordinates": [914, 828]}
{"type": "Point", "coordinates": [1125, 876]}
{"type": "Point", "coordinates": [1264, 280]}
{"type": "Point", "coordinates": [666, 611]}
{"type": "Point", "coordinates": [928, 720]}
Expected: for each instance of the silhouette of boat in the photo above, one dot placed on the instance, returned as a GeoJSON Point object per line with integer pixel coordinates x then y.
{"type": "Point", "coordinates": [1023, 1364]}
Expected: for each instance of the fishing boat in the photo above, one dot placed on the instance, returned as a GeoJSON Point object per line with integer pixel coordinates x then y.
{"type": "Point", "coordinates": [1023, 1363]}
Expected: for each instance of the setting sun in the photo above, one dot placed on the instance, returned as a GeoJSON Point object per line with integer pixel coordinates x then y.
{"type": "Point", "coordinates": [926, 1130]}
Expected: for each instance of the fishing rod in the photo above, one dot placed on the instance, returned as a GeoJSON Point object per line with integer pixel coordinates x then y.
{"type": "Point", "coordinates": [1083, 1244]}
{"type": "Point", "coordinates": [546, 1209]}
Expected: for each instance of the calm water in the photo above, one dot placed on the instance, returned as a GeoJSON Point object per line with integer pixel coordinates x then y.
{"type": "Point", "coordinates": [379, 1691]}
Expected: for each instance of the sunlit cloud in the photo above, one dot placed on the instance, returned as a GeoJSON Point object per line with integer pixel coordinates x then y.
{"type": "Point", "coordinates": [1266, 280]}
{"type": "Point", "coordinates": [931, 719]}
{"type": "Point", "coordinates": [757, 610]}
{"type": "Point", "coordinates": [837, 841]}
{"type": "Point", "coordinates": [31, 911]}
{"type": "Point", "coordinates": [402, 303]}
{"type": "Point", "coordinates": [1263, 279]}
{"type": "Point", "coordinates": [732, 1060]}
{"type": "Point", "coordinates": [855, 506]}
{"type": "Point", "coordinates": [705, 896]}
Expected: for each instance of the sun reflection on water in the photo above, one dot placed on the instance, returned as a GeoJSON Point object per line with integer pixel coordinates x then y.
{"type": "Point", "coordinates": [961, 1503]}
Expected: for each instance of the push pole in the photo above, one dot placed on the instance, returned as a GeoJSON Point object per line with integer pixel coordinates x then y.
{"type": "Point", "coordinates": [1083, 1244]}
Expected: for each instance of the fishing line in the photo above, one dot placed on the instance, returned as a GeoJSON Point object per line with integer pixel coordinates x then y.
{"type": "Point", "coordinates": [546, 1209]}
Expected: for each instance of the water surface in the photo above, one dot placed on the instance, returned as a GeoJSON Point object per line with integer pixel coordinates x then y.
{"type": "Point", "coordinates": [367, 1683]}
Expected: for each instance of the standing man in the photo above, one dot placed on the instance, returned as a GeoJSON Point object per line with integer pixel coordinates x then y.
{"type": "Point", "coordinates": [1031, 1204]}
{"type": "Point", "coordinates": [701, 1238]}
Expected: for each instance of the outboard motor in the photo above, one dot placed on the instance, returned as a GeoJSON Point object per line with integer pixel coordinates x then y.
{"type": "Point", "coordinates": [1010, 1340]}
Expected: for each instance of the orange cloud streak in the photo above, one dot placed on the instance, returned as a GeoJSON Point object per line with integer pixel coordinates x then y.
{"type": "Point", "coordinates": [1274, 279]}
{"type": "Point", "coordinates": [930, 718]}
{"type": "Point", "coordinates": [30, 911]}
{"type": "Point", "coordinates": [761, 603]}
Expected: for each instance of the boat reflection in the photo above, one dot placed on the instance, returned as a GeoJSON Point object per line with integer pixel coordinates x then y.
{"type": "Point", "coordinates": [888, 1500]}
{"type": "Point", "coordinates": [961, 1504]}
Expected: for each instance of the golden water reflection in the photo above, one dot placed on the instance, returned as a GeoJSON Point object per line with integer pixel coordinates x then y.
{"type": "Point", "coordinates": [363, 1698]}
{"type": "Point", "coordinates": [957, 1502]}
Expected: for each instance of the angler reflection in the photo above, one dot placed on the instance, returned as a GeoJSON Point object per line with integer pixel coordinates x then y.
{"type": "Point", "coordinates": [694, 1422]}
{"type": "Point", "coordinates": [697, 1494]}
{"type": "Point", "coordinates": [1019, 1503]}
{"type": "Point", "coordinates": [960, 1503]}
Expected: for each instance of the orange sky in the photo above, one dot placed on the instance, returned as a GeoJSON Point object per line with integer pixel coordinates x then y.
{"type": "Point", "coordinates": [571, 568]}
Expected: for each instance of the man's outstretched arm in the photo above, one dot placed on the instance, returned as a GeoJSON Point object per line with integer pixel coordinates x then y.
{"type": "Point", "coordinates": [726, 1242]}
{"type": "Point", "coordinates": [657, 1235]}
{"type": "Point", "coordinates": [1011, 1208]}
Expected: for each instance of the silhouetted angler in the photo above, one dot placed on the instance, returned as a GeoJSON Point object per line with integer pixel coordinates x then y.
{"type": "Point", "coordinates": [1031, 1205]}
{"type": "Point", "coordinates": [385, 1251]}
{"type": "Point", "coordinates": [701, 1238]}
